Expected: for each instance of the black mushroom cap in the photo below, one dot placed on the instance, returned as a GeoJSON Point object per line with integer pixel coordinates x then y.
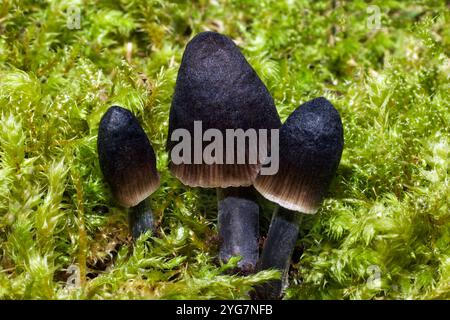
{"type": "Point", "coordinates": [311, 143]}
{"type": "Point", "coordinates": [216, 85]}
{"type": "Point", "coordinates": [126, 157]}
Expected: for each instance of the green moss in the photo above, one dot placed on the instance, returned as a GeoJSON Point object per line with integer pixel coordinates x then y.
{"type": "Point", "coordinates": [384, 229]}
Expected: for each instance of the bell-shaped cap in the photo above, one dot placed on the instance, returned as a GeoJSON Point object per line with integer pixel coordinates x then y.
{"type": "Point", "coordinates": [217, 86]}
{"type": "Point", "coordinates": [126, 157]}
{"type": "Point", "coordinates": [311, 143]}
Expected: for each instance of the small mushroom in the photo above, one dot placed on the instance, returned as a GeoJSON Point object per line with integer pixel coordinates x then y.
{"type": "Point", "coordinates": [128, 163]}
{"type": "Point", "coordinates": [311, 143]}
{"type": "Point", "coordinates": [217, 86]}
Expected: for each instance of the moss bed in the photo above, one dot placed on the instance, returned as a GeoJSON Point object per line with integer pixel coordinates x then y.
{"type": "Point", "coordinates": [383, 231]}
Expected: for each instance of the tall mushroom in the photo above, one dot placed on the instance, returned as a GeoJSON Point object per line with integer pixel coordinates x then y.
{"type": "Point", "coordinates": [218, 89]}
{"type": "Point", "coordinates": [128, 163]}
{"type": "Point", "coordinates": [311, 143]}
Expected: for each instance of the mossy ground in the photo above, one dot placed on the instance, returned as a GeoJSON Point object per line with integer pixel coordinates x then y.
{"type": "Point", "coordinates": [383, 231]}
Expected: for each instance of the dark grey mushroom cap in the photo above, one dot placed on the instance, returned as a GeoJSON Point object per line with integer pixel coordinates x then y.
{"type": "Point", "coordinates": [216, 85]}
{"type": "Point", "coordinates": [311, 143]}
{"type": "Point", "coordinates": [126, 157]}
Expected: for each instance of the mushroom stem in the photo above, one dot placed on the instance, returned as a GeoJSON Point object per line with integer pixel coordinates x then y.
{"type": "Point", "coordinates": [277, 251]}
{"type": "Point", "coordinates": [238, 224]}
{"type": "Point", "coordinates": [141, 219]}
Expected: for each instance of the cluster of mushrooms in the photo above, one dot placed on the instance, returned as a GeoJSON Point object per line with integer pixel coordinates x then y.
{"type": "Point", "coordinates": [216, 85]}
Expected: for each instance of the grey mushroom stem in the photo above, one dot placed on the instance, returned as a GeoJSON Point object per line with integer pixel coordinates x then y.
{"type": "Point", "coordinates": [277, 251]}
{"type": "Point", "coordinates": [141, 219]}
{"type": "Point", "coordinates": [238, 224]}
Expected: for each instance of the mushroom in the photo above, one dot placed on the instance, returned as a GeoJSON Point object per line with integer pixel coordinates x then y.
{"type": "Point", "coordinates": [311, 143]}
{"type": "Point", "coordinates": [128, 163]}
{"type": "Point", "coordinates": [218, 89]}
